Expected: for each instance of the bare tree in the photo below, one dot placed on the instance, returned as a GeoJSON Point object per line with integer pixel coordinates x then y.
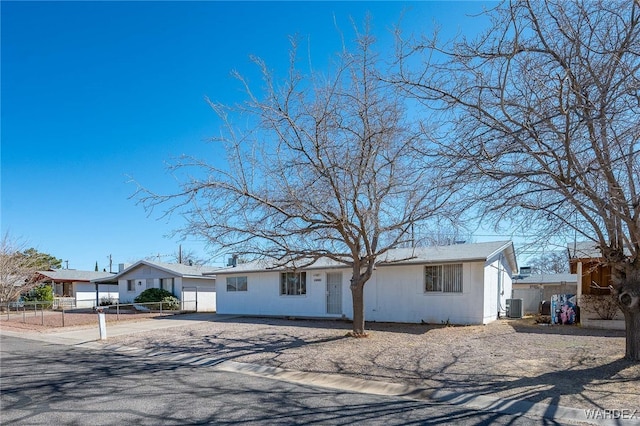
{"type": "Point", "coordinates": [17, 269]}
{"type": "Point", "coordinates": [183, 256]}
{"type": "Point", "coordinates": [553, 262]}
{"type": "Point", "coordinates": [542, 111]}
{"type": "Point", "coordinates": [327, 168]}
{"type": "Point", "coordinates": [442, 234]}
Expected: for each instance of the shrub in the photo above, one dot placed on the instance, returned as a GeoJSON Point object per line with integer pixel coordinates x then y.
{"type": "Point", "coordinates": [605, 306]}
{"type": "Point", "coordinates": [157, 295]}
{"type": "Point", "coordinates": [152, 295]}
{"type": "Point", "coordinates": [107, 301]}
{"type": "Point", "coordinates": [170, 303]}
{"type": "Point", "coordinates": [40, 294]}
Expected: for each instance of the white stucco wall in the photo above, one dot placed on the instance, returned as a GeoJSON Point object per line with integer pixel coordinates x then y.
{"type": "Point", "coordinates": [498, 286]}
{"type": "Point", "coordinates": [393, 294]}
{"type": "Point", "coordinates": [85, 293]}
{"type": "Point", "coordinates": [140, 286]}
{"type": "Point", "coordinates": [263, 296]}
{"type": "Point", "coordinates": [396, 294]}
{"type": "Point", "coordinates": [204, 289]}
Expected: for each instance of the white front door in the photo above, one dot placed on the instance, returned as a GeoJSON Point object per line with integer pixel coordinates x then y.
{"type": "Point", "coordinates": [334, 293]}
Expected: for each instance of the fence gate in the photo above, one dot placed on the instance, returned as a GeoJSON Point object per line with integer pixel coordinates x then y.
{"type": "Point", "coordinates": [189, 299]}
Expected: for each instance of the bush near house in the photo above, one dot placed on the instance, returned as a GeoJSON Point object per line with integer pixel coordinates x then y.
{"type": "Point", "coordinates": [107, 301]}
{"type": "Point", "coordinates": [43, 294]}
{"type": "Point", "coordinates": [605, 306]}
{"type": "Point", "coordinates": [158, 295]}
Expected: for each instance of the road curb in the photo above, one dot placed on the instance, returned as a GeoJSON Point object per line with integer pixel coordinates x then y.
{"type": "Point", "coordinates": [479, 402]}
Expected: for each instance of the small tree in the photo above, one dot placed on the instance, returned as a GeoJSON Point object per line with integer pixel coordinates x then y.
{"type": "Point", "coordinates": [41, 261]}
{"type": "Point", "coordinates": [16, 270]}
{"type": "Point", "coordinates": [40, 293]}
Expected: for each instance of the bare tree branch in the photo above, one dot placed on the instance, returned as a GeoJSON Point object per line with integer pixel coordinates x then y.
{"type": "Point", "coordinates": [318, 165]}
{"type": "Point", "coordinates": [17, 269]}
{"type": "Point", "coordinates": [542, 111]}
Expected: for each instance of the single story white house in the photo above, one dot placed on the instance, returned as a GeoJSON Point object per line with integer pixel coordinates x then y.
{"type": "Point", "coordinates": [194, 286]}
{"type": "Point", "coordinates": [77, 287]}
{"type": "Point", "coordinates": [457, 284]}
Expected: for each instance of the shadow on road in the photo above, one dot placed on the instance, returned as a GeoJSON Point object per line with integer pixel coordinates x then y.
{"type": "Point", "coordinates": [64, 385]}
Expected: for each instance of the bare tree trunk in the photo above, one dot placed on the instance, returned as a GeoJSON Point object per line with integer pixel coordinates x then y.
{"type": "Point", "coordinates": [629, 302]}
{"type": "Point", "coordinates": [632, 323]}
{"type": "Point", "coordinates": [357, 293]}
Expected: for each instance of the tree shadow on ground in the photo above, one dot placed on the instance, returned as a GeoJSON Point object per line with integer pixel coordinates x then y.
{"type": "Point", "coordinates": [576, 379]}
{"type": "Point", "coordinates": [219, 348]}
{"type": "Point", "coordinates": [52, 384]}
{"type": "Point", "coordinates": [551, 387]}
{"type": "Point", "coordinates": [528, 325]}
{"type": "Point", "coordinates": [334, 324]}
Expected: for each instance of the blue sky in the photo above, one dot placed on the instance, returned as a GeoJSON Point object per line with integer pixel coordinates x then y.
{"type": "Point", "coordinates": [93, 93]}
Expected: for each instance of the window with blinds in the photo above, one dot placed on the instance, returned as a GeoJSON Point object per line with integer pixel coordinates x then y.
{"type": "Point", "coordinates": [443, 278]}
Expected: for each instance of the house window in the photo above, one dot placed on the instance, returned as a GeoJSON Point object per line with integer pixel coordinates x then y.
{"type": "Point", "coordinates": [131, 285]}
{"type": "Point", "coordinates": [236, 283]}
{"type": "Point", "coordinates": [167, 284]}
{"type": "Point", "coordinates": [293, 283]}
{"type": "Point", "coordinates": [443, 278]}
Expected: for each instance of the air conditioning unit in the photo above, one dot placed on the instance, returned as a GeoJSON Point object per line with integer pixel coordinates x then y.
{"type": "Point", "coordinates": [515, 308]}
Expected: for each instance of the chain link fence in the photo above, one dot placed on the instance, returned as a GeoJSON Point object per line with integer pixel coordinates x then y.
{"type": "Point", "coordinates": [50, 314]}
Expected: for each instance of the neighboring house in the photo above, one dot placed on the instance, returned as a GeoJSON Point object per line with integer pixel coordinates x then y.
{"type": "Point", "coordinates": [596, 280]}
{"type": "Point", "coordinates": [77, 287]}
{"type": "Point", "coordinates": [596, 277]}
{"type": "Point", "coordinates": [457, 284]}
{"type": "Point", "coordinates": [533, 289]}
{"type": "Point", "coordinates": [194, 286]}
{"type": "Point", "coordinates": [549, 284]}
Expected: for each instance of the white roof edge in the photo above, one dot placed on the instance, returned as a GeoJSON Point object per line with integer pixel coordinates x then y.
{"type": "Point", "coordinates": [506, 245]}
{"type": "Point", "coordinates": [501, 246]}
{"type": "Point", "coordinates": [156, 266]}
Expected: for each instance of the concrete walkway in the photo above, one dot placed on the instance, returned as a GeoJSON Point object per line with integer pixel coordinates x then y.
{"type": "Point", "coordinates": [89, 338]}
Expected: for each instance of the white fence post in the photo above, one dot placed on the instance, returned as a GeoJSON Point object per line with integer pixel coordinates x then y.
{"type": "Point", "coordinates": [102, 325]}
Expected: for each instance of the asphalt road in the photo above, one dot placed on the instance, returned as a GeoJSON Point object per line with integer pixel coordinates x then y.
{"type": "Point", "coordinates": [42, 383]}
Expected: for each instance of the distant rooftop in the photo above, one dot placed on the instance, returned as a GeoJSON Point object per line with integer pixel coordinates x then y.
{"type": "Point", "coordinates": [547, 279]}
{"type": "Point", "coordinates": [586, 250]}
{"type": "Point", "coordinates": [177, 269]}
{"type": "Point", "coordinates": [71, 275]}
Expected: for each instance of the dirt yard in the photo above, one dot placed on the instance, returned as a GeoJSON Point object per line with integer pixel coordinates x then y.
{"type": "Point", "coordinates": [47, 320]}
{"type": "Point", "coordinates": [561, 365]}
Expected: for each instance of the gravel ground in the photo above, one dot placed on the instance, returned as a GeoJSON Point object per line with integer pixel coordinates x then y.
{"type": "Point", "coordinates": [45, 321]}
{"type": "Point", "coordinates": [561, 365]}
